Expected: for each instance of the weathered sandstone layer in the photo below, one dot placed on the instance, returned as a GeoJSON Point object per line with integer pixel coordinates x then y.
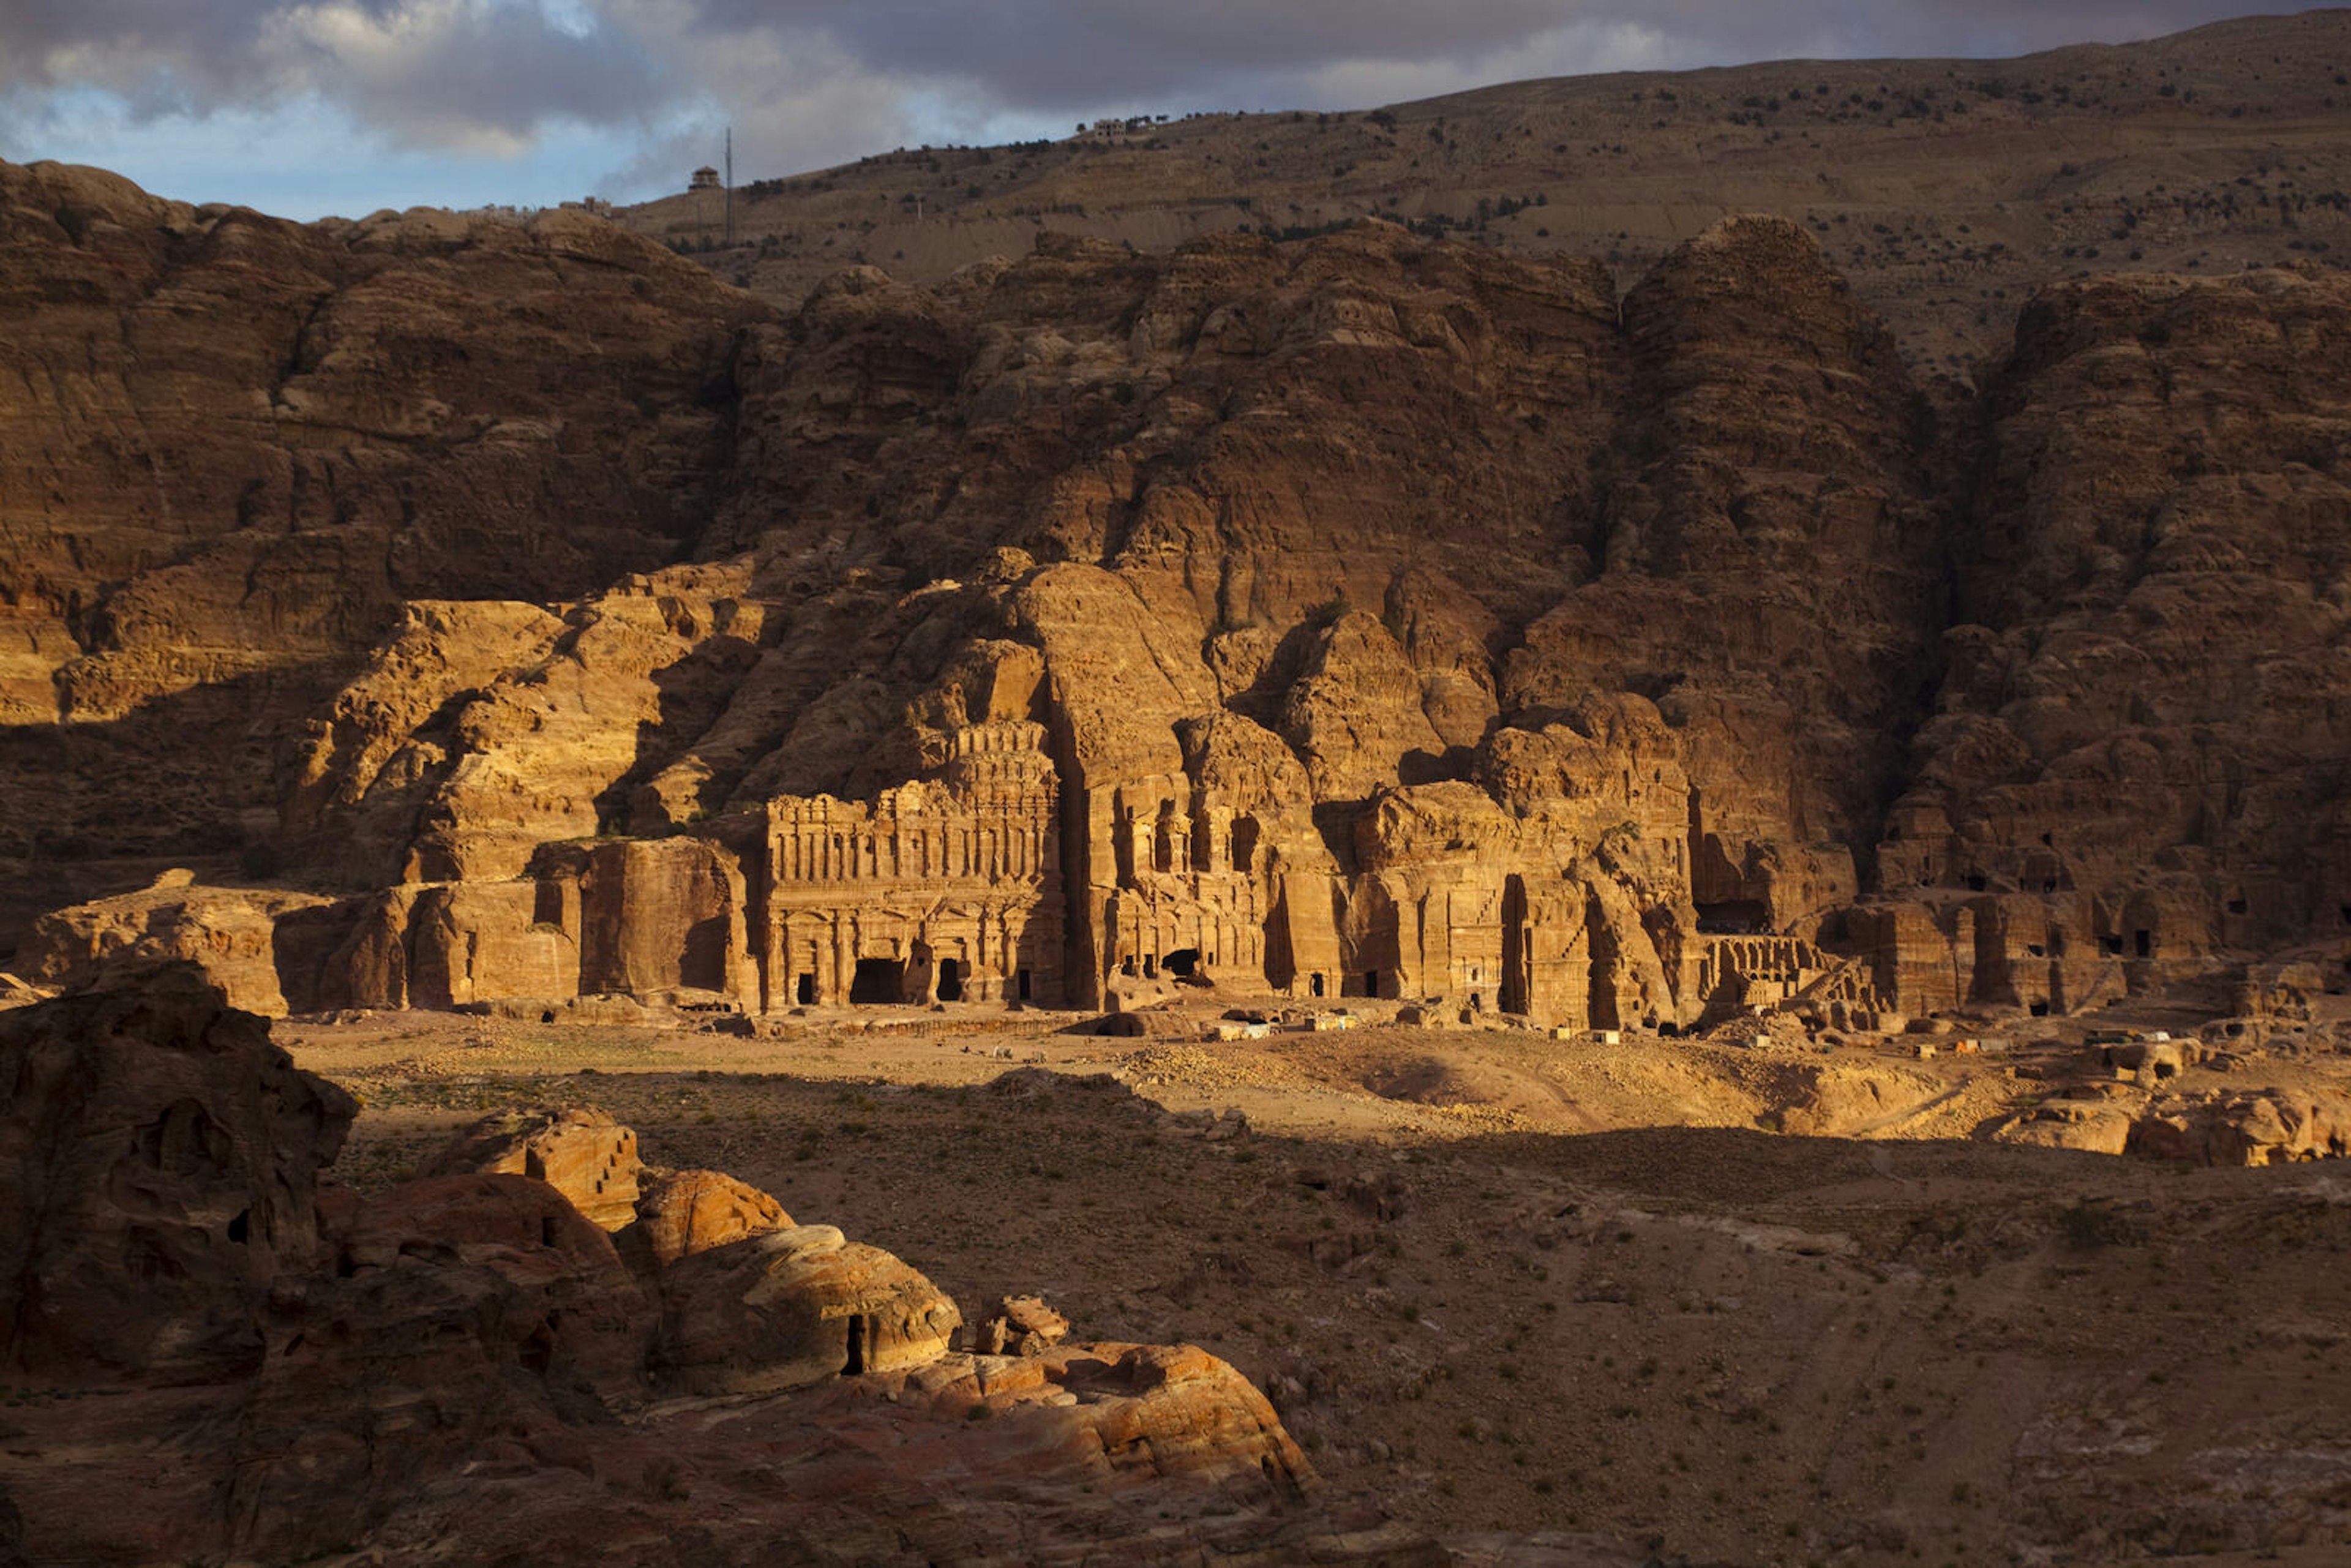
{"type": "Point", "coordinates": [293, 1370]}
{"type": "Point", "coordinates": [1365, 615]}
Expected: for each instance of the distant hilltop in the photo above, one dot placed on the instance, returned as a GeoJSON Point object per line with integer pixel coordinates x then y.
{"type": "Point", "coordinates": [1945, 189]}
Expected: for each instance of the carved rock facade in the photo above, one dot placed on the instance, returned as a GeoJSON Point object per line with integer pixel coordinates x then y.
{"type": "Point", "coordinates": [1359, 616]}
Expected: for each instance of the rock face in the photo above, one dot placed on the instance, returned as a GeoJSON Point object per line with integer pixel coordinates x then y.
{"type": "Point", "coordinates": [579, 1152]}
{"type": "Point", "coordinates": [1363, 615]}
{"type": "Point", "coordinates": [234, 449]}
{"type": "Point", "coordinates": [163, 1159]}
{"type": "Point", "coordinates": [2256, 1127]}
{"type": "Point", "coordinates": [787, 1308]}
{"type": "Point", "coordinates": [1022, 1325]}
{"type": "Point", "coordinates": [2133, 754]}
{"type": "Point", "coordinates": [379, 1374]}
{"type": "Point", "coordinates": [684, 1212]}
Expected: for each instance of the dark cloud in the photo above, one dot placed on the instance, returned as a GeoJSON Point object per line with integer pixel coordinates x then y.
{"type": "Point", "coordinates": [1052, 54]}
{"type": "Point", "coordinates": [428, 72]}
{"type": "Point", "coordinates": [815, 80]}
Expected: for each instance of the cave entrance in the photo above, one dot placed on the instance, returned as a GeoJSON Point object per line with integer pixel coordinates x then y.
{"type": "Point", "coordinates": [877, 980]}
{"type": "Point", "coordinates": [1020, 984]}
{"type": "Point", "coordinates": [1733, 917]}
{"type": "Point", "coordinates": [859, 1351]}
{"type": "Point", "coordinates": [2144, 943]}
{"type": "Point", "coordinates": [1314, 984]}
{"type": "Point", "coordinates": [950, 980]}
{"type": "Point", "coordinates": [804, 990]}
{"type": "Point", "coordinates": [1183, 963]}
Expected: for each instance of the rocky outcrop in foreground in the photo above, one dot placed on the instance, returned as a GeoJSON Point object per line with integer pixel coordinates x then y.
{"type": "Point", "coordinates": [475, 1366]}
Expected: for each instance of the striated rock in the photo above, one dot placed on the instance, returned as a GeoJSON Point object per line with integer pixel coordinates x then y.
{"type": "Point", "coordinates": [680, 1213]}
{"type": "Point", "coordinates": [263, 950]}
{"type": "Point", "coordinates": [1366, 616]}
{"type": "Point", "coordinates": [1840, 1103]}
{"type": "Point", "coordinates": [788, 1308]}
{"type": "Point", "coordinates": [460, 1311]}
{"type": "Point", "coordinates": [2129, 740]}
{"type": "Point", "coordinates": [234, 448]}
{"type": "Point", "coordinates": [1021, 1325]}
{"type": "Point", "coordinates": [579, 1150]}
{"type": "Point", "coordinates": [164, 1159]}
{"type": "Point", "coordinates": [2250, 1127]}
{"type": "Point", "coordinates": [463, 1366]}
{"type": "Point", "coordinates": [2090, 1126]}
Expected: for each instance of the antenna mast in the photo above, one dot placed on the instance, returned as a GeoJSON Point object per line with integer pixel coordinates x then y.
{"type": "Point", "coordinates": [730, 187]}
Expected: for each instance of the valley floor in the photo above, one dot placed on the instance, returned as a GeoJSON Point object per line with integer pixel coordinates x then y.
{"type": "Point", "coordinates": [1671, 1329]}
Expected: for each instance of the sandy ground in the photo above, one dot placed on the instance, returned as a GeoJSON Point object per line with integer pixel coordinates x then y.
{"type": "Point", "coordinates": [1504, 1282]}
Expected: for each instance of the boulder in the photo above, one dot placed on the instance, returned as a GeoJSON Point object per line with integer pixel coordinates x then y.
{"type": "Point", "coordinates": [460, 1312]}
{"type": "Point", "coordinates": [2088, 1126]}
{"type": "Point", "coordinates": [684, 1212]}
{"type": "Point", "coordinates": [577, 1150]}
{"type": "Point", "coordinates": [163, 1162]}
{"type": "Point", "coordinates": [1021, 1325]}
{"type": "Point", "coordinates": [2248, 1127]}
{"type": "Point", "coordinates": [795, 1307]}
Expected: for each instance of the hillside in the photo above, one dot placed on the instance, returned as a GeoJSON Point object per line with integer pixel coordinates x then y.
{"type": "Point", "coordinates": [1947, 190]}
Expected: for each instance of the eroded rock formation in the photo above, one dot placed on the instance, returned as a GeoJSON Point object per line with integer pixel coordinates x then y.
{"type": "Point", "coordinates": [1359, 616]}
{"type": "Point", "coordinates": [162, 1161]}
{"type": "Point", "coordinates": [375, 1374]}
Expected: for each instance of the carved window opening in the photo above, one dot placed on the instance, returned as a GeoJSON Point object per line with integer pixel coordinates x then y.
{"type": "Point", "coordinates": [2144, 943]}
{"type": "Point", "coordinates": [1183, 962]}
{"type": "Point", "coordinates": [804, 989]}
{"type": "Point", "coordinates": [2039, 1009]}
{"type": "Point", "coordinates": [2033, 949]}
{"type": "Point", "coordinates": [2111, 946]}
{"type": "Point", "coordinates": [2237, 906]}
{"type": "Point", "coordinates": [950, 980]}
{"type": "Point", "coordinates": [877, 980]}
{"type": "Point", "coordinates": [1976, 883]}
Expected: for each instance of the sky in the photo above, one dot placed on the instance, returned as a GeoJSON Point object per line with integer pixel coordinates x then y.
{"type": "Point", "coordinates": [307, 108]}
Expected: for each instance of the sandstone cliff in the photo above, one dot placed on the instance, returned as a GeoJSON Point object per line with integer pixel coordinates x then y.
{"type": "Point", "coordinates": [232, 448]}
{"type": "Point", "coordinates": [1366, 614]}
